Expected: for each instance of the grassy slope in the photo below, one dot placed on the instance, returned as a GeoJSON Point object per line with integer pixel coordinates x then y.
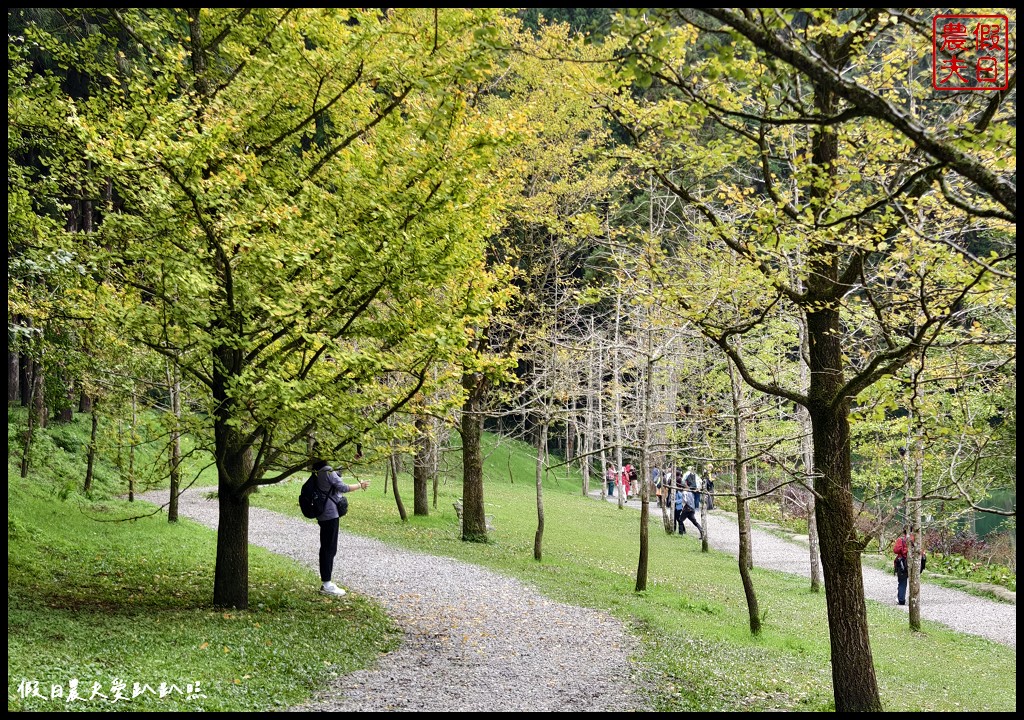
{"type": "Point", "coordinates": [100, 602]}
{"type": "Point", "coordinates": [95, 601]}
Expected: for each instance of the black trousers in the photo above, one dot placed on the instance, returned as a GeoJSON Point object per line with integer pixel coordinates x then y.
{"type": "Point", "coordinates": [687, 514]}
{"type": "Point", "coordinates": [901, 587]}
{"type": "Point", "coordinates": [328, 547]}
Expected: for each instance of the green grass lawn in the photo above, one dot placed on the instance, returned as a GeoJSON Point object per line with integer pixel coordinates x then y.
{"type": "Point", "coordinates": [106, 604]}
{"type": "Point", "coordinates": [93, 601]}
{"type": "Point", "coordinates": [111, 603]}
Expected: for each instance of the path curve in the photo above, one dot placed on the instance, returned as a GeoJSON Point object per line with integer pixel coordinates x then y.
{"type": "Point", "coordinates": [474, 640]}
{"type": "Point", "coordinates": [959, 610]}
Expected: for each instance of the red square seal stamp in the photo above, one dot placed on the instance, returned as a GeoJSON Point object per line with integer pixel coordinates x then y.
{"type": "Point", "coordinates": [970, 52]}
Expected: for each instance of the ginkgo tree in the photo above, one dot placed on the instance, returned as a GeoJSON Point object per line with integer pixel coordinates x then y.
{"type": "Point", "coordinates": [302, 200]}
{"type": "Point", "coordinates": [829, 207]}
{"type": "Point", "coordinates": [554, 179]}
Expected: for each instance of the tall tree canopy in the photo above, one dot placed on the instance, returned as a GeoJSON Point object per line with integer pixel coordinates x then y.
{"type": "Point", "coordinates": [829, 183]}
{"type": "Point", "coordinates": [299, 203]}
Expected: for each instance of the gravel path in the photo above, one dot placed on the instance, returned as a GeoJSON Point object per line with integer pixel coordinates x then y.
{"type": "Point", "coordinates": [478, 641]}
{"type": "Point", "coordinates": [956, 609]}
{"type": "Point", "coordinates": [474, 640]}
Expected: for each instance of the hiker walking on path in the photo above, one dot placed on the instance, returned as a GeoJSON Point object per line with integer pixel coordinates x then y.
{"type": "Point", "coordinates": [684, 509]}
{"type": "Point", "coordinates": [899, 566]}
{"type": "Point", "coordinates": [628, 475]}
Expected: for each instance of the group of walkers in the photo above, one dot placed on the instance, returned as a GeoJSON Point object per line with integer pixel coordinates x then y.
{"type": "Point", "coordinates": [622, 481]}
{"type": "Point", "coordinates": [682, 490]}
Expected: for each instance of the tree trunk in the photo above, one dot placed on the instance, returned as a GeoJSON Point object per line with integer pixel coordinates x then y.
{"type": "Point", "coordinates": [853, 671]}
{"type": "Point", "coordinates": [620, 490]}
{"type": "Point", "coordinates": [570, 439]}
{"type": "Point", "coordinates": [174, 388]}
{"type": "Point", "coordinates": [601, 438]}
{"type": "Point", "coordinates": [807, 452]}
{"type": "Point", "coordinates": [474, 523]}
{"type": "Point", "coordinates": [84, 400]}
{"type": "Point", "coordinates": [234, 469]}
{"type": "Point", "coordinates": [421, 467]}
{"type": "Point", "coordinates": [667, 470]}
{"type": "Point", "coordinates": [436, 488]}
{"type": "Point", "coordinates": [131, 450]}
{"type": "Point", "coordinates": [13, 378]}
{"type": "Point", "coordinates": [644, 473]}
{"type": "Point", "coordinates": [587, 444]}
{"type": "Point", "coordinates": [231, 576]}
{"type": "Point", "coordinates": [25, 379]}
{"type": "Point", "coordinates": [542, 444]}
{"type": "Point", "coordinates": [39, 394]}
{"type": "Point", "coordinates": [231, 573]}
{"type": "Point", "coordinates": [65, 412]}
{"type": "Point", "coordinates": [91, 459]}
{"type": "Point", "coordinates": [35, 384]}
{"type": "Point", "coordinates": [745, 556]}
{"type": "Point", "coordinates": [702, 487]}
{"type": "Point", "coordinates": [782, 496]}
{"type": "Point", "coordinates": [393, 465]}
{"type": "Point", "coordinates": [914, 553]}
{"type": "Point", "coordinates": [812, 538]}
{"type": "Point", "coordinates": [440, 440]}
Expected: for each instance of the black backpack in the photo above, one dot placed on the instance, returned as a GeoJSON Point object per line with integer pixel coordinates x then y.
{"type": "Point", "coordinates": [311, 498]}
{"type": "Point", "coordinates": [900, 566]}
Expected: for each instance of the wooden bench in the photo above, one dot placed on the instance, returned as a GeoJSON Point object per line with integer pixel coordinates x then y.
{"type": "Point", "coordinates": [488, 519]}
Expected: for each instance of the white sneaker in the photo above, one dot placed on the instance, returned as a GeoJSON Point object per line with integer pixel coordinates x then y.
{"type": "Point", "coordinates": [329, 588]}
